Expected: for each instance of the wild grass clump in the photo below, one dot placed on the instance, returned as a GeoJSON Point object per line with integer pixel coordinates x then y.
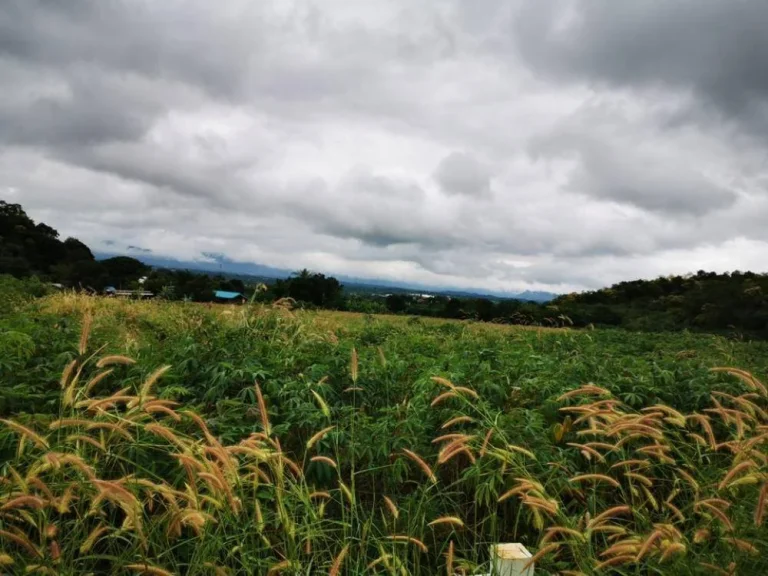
{"type": "Point", "coordinates": [311, 456]}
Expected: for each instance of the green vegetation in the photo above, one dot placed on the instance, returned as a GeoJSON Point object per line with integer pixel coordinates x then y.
{"type": "Point", "coordinates": [29, 249]}
{"type": "Point", "coordinates": [156, 437]}
{"type": "Point", "coordinates": [309, 288]}
{"type": "Point", "coordinates": [34, 249]}
{"type": "Point", "coordinates": [735, 302]}
{"type": "Point", "coordinates": [172, 437]}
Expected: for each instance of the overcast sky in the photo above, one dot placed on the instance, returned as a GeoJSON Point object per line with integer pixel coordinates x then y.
{"type": "Point", "coordinates": [545, 144]}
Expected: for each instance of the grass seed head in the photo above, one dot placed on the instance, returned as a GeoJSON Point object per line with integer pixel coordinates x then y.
{"type": "Point", "coordinates": [392, 508]}
{"type": "Point", "coordinates": [610, 513]}
{"type": "Point", "coordinates": [28, 433]}
{"type": "Point", "coordinates": [24, 501]}
{"type": "Point", "coordinates": [442, 397]}
{"type": "Point", "coordinates": [762, 501]}
{"type": "Point", "coordinates": [353, 365]}
{"type": "Point", "coordinates": [263, 411]}
{"type": "Point", "coordinates": [457, 420]}
{"type": "Point", "coordinates": [114, 359]}
{"type": "Point", "coordinates": [318, 436]}
{"type": "Point", "coordinates": [548, 549]}
{"type": "Point", "coordinates": [322, 404]}
{"type": "Point", "coordinates": [279, 567]}
{"type": "Point", "coordinates": [410, 540]}
{"type": "Point", "coordinates": [325, 460]}
{"type": "Point", "coordinates": [450, 520]}
{"type": "Point", "coordinates": [85, 333]}
{"type": "Point", "coordinates": [443, 382]}
{"type": "Point", "coordinates": [423, 465]}
{"type": "Point", "coordinates": [595, 478]}
{"type": "Point", "coordinates": [148, 569]}
{"type": "Point", "coordinates": [338, 561]}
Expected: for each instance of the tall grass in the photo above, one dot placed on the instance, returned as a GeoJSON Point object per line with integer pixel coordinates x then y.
{"type": "Point", "coordinates": [366, 471]}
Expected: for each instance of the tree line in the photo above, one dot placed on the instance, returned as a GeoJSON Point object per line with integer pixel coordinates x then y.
{"type": "Point", "coordinates": [29, 249]}
{"type": "Point", "coordinates": [729, 302]}
{"type": "Point", "coordinates": [735, 302]}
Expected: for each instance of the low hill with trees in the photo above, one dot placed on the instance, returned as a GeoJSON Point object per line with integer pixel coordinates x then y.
{"type": "Point", "coordinates": [29, 249]}
{"type": "Point", "coordinates": [736, 301]}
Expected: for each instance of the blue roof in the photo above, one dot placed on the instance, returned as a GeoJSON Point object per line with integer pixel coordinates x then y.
{"type": "Point", "coordinates": [224, 295]}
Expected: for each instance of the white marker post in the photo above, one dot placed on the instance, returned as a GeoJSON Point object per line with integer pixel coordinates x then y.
{"type": "Point", "coordinates": [510, 560]}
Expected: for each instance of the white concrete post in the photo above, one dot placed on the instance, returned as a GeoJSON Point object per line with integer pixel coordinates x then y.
{"type": "Point", "coordinates": [510, 560]}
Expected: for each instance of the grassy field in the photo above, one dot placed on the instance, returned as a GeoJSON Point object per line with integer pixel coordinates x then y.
{"type": "Point", "coordinates": [336, 320]}
{"type": "Point", "coordinates": [157, 438]}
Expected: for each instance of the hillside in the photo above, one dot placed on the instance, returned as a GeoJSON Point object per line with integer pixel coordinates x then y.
{"type": "Point", "coordinates": [704, 301]}
{"type": "Point", "coordinates": [29, 248]}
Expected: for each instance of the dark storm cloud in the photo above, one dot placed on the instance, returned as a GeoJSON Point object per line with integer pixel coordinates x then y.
{"type": "Point", "coordinates": [174, 40]}
{"type": "Point", "coordinates": [89, 109]}
{"type": "Point", "coordinates": [714, 49]}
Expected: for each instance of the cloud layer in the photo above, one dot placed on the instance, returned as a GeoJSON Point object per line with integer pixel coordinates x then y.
{"type": "Point", "coordinates": [560, 144]}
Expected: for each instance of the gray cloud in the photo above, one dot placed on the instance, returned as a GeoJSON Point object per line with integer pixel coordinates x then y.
{"type": "Point", "coordinates": [376, 210]}
{"type": "Point", "coordinates": [709, 48]}
{"type": "Point", "coordinates": [635, 173]}
{"type": "Point", "coordinates": [461, 173]}
{"type": "Point", "coordinates": [192, 43]}
{"type": "Point", "coordinates": [517, 145]}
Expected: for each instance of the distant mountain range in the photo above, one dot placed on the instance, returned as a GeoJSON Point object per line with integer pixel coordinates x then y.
{"type": "Point", "coordinates": [536, 296]}
{"type": "Point", "coordinates": [220, 264]}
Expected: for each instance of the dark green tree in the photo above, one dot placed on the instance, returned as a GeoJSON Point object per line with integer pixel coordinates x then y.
{"type": "Point", "coordinates": [310, 288]}
{"type": "Point", "coordinates": [124, 271]}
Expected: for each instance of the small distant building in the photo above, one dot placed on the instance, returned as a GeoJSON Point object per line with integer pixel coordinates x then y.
{"type": "Point", "coordinates": [112, 291]}
{"type": "Point", "coordinates": [230, 297]}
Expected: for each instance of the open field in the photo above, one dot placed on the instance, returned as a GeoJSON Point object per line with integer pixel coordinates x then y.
{"type": "Point", "coordinates": [149, 437]}
{"type": "Point", "coordinates": [337, 320]}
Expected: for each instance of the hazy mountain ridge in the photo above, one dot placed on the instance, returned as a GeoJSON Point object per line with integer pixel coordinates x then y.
{"type": "Point", "coordinates": [218, 263]}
